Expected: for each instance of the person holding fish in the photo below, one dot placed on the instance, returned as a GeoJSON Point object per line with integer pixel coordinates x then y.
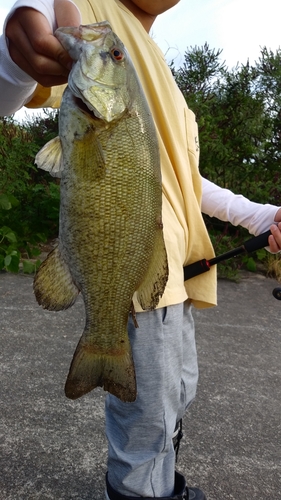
{"type": "Point", "coordinates": [118, 129]}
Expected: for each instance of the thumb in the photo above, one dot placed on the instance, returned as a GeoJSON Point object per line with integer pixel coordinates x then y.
{"type": "Point", "coordinates": [67, 14]}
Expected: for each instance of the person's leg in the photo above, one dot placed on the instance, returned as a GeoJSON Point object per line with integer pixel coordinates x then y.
{"type": "Point", "coordinates": [180, 493]}
{"type": "Point", "coordinates": [141, 457]}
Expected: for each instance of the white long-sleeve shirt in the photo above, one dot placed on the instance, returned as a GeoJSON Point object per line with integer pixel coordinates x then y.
{"type": "Point", "coordinates": [16, 87]}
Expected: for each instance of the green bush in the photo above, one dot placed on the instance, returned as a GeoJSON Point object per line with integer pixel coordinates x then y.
{"type": "Point", "coordinates": [29, 198]}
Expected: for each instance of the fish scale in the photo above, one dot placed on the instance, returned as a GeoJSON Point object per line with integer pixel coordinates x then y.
{"type": "Point", "coordinates": [110, 241]}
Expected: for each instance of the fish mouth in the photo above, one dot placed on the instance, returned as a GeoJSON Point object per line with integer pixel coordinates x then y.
{"type": "Point", "coordinates": [69, 35]}
{"type": "Point", "coordinates": [83, 107]}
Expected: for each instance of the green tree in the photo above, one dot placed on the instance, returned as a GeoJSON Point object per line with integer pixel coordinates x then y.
{"type": "Point", "coordinates": [234, 110]}
{"type": "Point", "coordinates": [239, 120]}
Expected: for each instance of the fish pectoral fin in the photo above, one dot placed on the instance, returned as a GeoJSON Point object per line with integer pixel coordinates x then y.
{"type": "Point", "coordinates": [153, 284]}
{"type": "Point", "coordinates": [89, 157]}
{"type": "Point", "coordinates": [53, 285]}
{"type": "Point", "coordinates": [49, 157]}
{"type": "Point", "coordinates": [91, 368]}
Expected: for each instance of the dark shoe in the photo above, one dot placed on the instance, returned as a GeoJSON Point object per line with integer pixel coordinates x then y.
{"type": "Point", "coordinates": [181, 492]}
{"type": "Point", "coordinates": [195, 494]}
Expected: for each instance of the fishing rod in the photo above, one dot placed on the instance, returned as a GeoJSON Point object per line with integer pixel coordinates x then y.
{"type": "Point", "coordinates": [251, 245]}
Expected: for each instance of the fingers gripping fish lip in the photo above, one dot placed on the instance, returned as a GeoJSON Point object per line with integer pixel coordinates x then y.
{"type": "Point", "coordinates": [73, 38]}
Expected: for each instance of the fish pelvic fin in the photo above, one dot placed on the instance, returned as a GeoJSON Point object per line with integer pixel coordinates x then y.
{"type": "Point", "coordinates": [53, 285]}
{"type": "Point", "coordinates": [49, 157]}
{"type": "Point", "coordinates": [154, 282]}
{"type": "Point", "coordinates": [91, 368]}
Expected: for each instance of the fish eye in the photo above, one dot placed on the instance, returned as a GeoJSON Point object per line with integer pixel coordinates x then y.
{"type": "Point", "coordinates": [117, 54]}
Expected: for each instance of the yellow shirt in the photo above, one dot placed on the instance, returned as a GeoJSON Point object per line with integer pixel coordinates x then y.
{"type": "Point", "coordinates": [185, 234]}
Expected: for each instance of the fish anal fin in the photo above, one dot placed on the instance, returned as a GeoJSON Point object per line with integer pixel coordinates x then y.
{"type": "Point", "coordinates": [91, 368]}
{"type": "Point", "coordinates": [49, 158]}
{"type": "Point", "coordinates": [53, 285]}
{"type": "Point", "coordinates": [154, 282]}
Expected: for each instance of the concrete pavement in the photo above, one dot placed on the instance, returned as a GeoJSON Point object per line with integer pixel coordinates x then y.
{"type": "Point", "coordinates": [54, 448]}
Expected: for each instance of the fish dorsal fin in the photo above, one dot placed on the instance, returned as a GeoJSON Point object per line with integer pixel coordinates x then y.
{"type": "Point", "coordinates": [49, 157]}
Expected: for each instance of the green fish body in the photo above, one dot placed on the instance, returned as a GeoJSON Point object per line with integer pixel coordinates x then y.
{"type": "Point", "coordinates": [110, 236]}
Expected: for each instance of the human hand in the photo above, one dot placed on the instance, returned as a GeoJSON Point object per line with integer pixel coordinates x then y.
{"type": "Point", "coordinates": [274, 240]}
{"type": "Point", "coordinates": [35, 49]}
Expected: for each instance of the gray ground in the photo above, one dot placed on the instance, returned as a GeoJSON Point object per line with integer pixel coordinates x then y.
{"type": "Point", "coordinates": [53, 448]}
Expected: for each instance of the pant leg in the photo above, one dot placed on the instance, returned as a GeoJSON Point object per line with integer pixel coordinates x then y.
{"type": "Point", "coordinates": [189, 375]}
{"type": "Point", "coordinates": [141, 457]}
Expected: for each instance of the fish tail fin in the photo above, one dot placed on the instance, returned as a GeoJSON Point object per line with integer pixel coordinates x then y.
{"type": "Point", "coordinates": [90, 368]}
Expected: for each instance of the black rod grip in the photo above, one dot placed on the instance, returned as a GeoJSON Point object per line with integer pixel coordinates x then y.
{"type": "Point", "coordinates": [257, 242]}
{"type": "Point", "coordinates": [251, 245]}
{"type": "Point", "coordinates": [199, 267]}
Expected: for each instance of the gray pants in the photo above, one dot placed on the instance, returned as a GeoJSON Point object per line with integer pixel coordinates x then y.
{"type": "Point", "coordinates": [141, 459]}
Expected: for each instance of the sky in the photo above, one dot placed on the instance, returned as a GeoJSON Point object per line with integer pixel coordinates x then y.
{"type": "Point", "coordinates": [238, 27]}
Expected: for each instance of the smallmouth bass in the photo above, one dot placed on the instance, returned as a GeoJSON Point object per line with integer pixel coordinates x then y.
{"type": "Point", "coordinates": [110, 231]}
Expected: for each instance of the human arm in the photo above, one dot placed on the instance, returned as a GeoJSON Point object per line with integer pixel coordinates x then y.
{"type": "Point", "coordinates": [29, 53]}
{"type": "Point", "coordinates": [256, 217]}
